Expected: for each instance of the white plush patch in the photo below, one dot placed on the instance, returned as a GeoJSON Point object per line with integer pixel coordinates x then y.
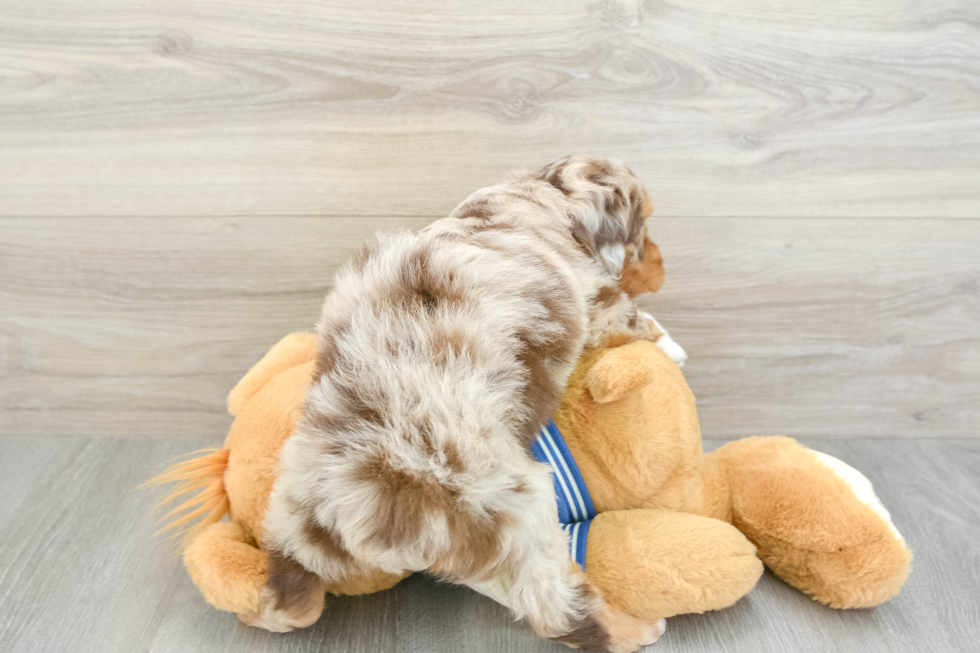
{"type": "Point", "coordinates": [861, 487]}
{"type": "Point", "coordinates": [672, 349]}
{"type": "Point", "coordinates": [668, 344]}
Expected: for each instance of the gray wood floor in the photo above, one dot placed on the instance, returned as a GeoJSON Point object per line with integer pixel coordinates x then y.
{"type": "Point", "coordinates": [80, 570]}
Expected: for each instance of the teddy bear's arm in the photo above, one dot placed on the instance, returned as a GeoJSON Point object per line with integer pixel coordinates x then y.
{"type": "Point", "coordinates": [620, 371]}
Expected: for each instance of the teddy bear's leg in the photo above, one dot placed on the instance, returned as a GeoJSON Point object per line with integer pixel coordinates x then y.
{"type": "Point", "coordinates": [227, 568]}
{"type": "Point", "coordinates": [658, 563]}
{"type": "Point", "coordinates": [816, 528]}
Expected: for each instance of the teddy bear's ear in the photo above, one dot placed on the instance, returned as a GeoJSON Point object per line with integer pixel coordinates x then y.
{"type": "Point", "coordinates": [620, 371]}
{"type": "Point", "coordinates": [294, 349]}
{"type": "Point", "coordinates": [643, 274]}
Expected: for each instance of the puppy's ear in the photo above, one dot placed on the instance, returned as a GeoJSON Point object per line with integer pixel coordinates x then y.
{"type": "Point", "coordinates": [604, 241]}
{"type": "Point", "coordinates": [645, 273]}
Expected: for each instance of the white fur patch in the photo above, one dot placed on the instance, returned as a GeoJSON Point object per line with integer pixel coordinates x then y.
{"type": "Point", "coordinates": [613, 256]}
{"type": "Point", "coordinates": [497, 588]}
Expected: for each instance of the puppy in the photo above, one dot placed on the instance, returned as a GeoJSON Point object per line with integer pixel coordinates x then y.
{"type": "Point", "coordinates": [441, 354]}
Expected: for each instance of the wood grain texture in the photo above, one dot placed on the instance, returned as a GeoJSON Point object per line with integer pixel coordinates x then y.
{"type": "Point", "coordinates": [828, 328]}
{"type": "Point", "coordinates": [109, 326]}
{"type": "Point", "coordinates": [80, 571]}
{"type": "Point", "coordinates": [758, 107]}
{"type": "Point", "coordinates": [831, 328]}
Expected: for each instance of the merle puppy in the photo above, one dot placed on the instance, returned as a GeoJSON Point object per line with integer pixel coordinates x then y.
{"type": "Point", "coordinates": [441, 353]}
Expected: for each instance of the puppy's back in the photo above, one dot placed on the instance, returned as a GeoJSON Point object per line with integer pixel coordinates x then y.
{"type": "Point", "coordinates": [440, 353]}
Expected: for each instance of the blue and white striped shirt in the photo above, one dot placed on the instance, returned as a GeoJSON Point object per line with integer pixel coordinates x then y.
{"type": "Point", "coordinates": [575, 509]}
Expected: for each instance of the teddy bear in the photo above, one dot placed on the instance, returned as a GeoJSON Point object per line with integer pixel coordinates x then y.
{"type": "Point", "coordinates": [679, 531]}
{"type": "Point", "coordinates": [665, 529]}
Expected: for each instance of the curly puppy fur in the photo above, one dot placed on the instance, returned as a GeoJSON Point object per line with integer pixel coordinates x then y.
{"type": "Point", "coordinates": [441, 353]}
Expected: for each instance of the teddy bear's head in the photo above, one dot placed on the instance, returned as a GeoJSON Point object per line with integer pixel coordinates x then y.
{"type": "Point", "coordinates": [631, 403]}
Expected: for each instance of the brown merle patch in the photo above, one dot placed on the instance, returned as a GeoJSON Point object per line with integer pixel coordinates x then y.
{"type": "Point", "coordinates": [635, 228]}
{"type": "Point", "coordinates": [293, 586]}
{"type": "Point", "coordinates": [422, 289]}
{"type": "Point", "coordinates": [448, 344]}
{"type": "Point", "coordinates": [611, 232]}
{"type": "Point", "coordinates": [588, 634]}
{"type": "Point", "coordinates": [608, 296]}
{"type": "Point", "coordinates": [361, 406]}
{"type": "Point", "coordinates": [325, 541]}
{"type": "Point", "coordinates": [598, 171]}
{"type": "Point", "coordinates": [478, 209]}
{"type": "Point", "coordinates": [491, 226]}
{"type": "Point", "coordinates": [454, 460]}
{"type": "Point", "coordinates": [407, 498]}
{"type": "Point", "coordinates": [583, 240]}
{"type": "Point", "coordinates": [328, 350]}
{"type": "Point", "coordinates": [475, 548]}
{"type": "Point", "coordinates": [541, 358]}
{"type": "Point", "coordinates": [554, 175]}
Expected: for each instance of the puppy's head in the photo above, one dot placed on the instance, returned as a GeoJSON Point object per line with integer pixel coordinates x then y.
{"type": "Point", "coordinates": [607, 209]}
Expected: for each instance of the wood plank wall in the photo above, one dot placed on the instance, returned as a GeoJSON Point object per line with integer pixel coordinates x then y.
{"type": "Point", "coordinates": [179, 180]}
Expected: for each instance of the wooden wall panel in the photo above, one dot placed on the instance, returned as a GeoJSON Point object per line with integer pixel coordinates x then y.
{"type": "Point", "coordinates": [141, 326]}
{"type": "Point", "coordinates": [249, 107]}
{"type": "Point", "coordinates": [826, 328]}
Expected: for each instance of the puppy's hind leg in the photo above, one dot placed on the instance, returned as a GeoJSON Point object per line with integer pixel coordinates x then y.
{"type": "Point", "coordinates": [548, 588]}
{"type": "Point", "coordinates": [292, 598]}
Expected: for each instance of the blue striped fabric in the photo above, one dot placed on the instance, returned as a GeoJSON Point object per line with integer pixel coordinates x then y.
{"type": "Point", "coordinates": [575, 509]}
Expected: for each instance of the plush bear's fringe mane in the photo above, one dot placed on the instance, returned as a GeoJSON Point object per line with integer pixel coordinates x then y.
{"type": "Point", "coordinates": [204, 472]}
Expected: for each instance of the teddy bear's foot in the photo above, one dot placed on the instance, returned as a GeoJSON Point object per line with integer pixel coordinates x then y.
{"type": "Point", "coordinates": [227, 567]}
{"type": "Point", "coordinates": [659, 563]}
{"type": "Point", "coordinates": [815, 521]}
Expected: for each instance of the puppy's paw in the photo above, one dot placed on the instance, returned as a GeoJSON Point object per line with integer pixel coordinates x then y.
{"type": "Point", "coordinates": [628, 634]}
{"type": "Point", "coordinates": [268, 617]}
{"type": "Point", "coordinates": [261, 620]}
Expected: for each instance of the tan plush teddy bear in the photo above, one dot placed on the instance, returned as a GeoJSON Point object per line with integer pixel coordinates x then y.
{"type": "Point", "coordinates": [673, 529]}
{"type": "Point", "coordinates": [659, 527]}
